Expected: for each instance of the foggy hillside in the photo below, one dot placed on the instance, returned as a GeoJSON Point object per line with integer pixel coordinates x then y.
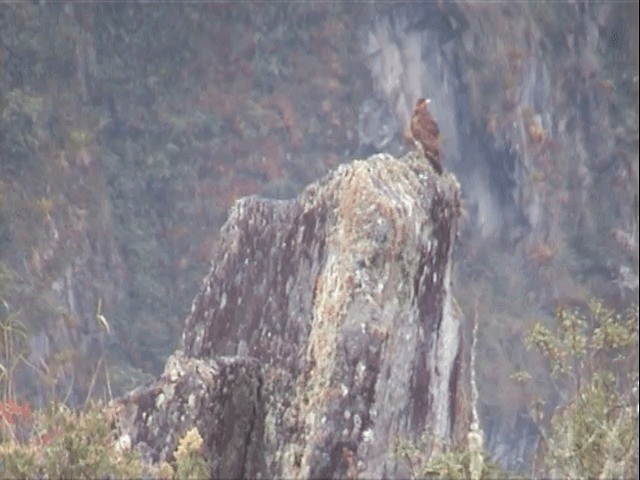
{"type": "Point", "coordinates": [128, 130]}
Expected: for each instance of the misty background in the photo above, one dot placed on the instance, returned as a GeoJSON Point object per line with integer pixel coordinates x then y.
{"type": "Point", "coordinates": [127, 130]}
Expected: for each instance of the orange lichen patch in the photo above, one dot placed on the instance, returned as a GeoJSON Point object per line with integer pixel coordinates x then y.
{"type": "Point", "coordinates": [359, 201]}
{"type": "Point", "coordinates": [287, 112]}
{"type": "Point", "coordinates": [541, 254]}
{"type": "Point", "coordinates": [536, 132]}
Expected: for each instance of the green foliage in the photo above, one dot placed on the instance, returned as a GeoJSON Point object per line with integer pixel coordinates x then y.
{"type": "Point", "coordinates": [21, 130]}
{"type": "Point", "coordinates": [452, 463]}
{"type": "Point", "coordinates": [593, 358]}
{"type": "Point", "coordinates": [65, 444]}
{"type": "Point", "coordinates": [13, 346]}
{"type": "Point", "coordinates": [189, 461]}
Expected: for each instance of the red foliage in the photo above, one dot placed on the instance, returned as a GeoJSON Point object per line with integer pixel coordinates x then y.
{"type": "Point", "coordinates": [11, 411]}
{"type": "Point", "coordinates": [541, 254]}
{"type": "Point", "coordinates": [287, 112]}
{"type": "Point", "coordinates": [46, 437]}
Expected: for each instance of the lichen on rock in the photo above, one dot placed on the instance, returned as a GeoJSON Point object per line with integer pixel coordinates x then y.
{"type": "Point", "coordinates": [339, 303]}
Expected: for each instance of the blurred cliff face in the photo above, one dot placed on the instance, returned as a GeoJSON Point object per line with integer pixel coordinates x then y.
{"type": "Point", "coordinates": [538, 120]}
{"type": "Point", "coordinates": [538, 112]}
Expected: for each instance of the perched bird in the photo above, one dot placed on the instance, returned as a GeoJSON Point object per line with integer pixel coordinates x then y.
{"type": "Point", "coordinates": [425, 132]}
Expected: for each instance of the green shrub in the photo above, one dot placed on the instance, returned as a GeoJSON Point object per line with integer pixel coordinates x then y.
{"type": "Point", "coordinates": [189, 461]}
{"type": "Point", "coordinates": [451, 463]}
{"type": "Point", "coordinates": [593, 358]}
{"type": "Point", "coordinates": [593, 361]}
{"type": "Point", "coordinates": [65, 444]}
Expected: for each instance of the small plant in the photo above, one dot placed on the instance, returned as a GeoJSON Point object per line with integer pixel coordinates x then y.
{"type": "Point", "coordinates": [45, 206]}
{"type": "Point", "coordinates": [189, 461]}
{"type": "Point", "coordinates": [65, 444]}
{"type": "Point", "coordinates": [13, 345]}
{"type": "Point", "coordinates": [470, 461]}
{"type": "Point", "coordinates": [593, 358]}
{"type": "Point", "coordinates": [451, 463]}
{"type": "Point", "coordinates": [10, 411]}
{"type": "Point", "coordinates": [15, 420]}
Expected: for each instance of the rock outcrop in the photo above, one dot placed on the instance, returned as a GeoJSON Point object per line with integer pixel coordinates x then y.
{"type": "Point", "coordinates": [323, 333]}
{"type": "Point", "coordinates": [222, 397]}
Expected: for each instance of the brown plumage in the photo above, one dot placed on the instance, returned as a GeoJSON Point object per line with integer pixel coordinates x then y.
{"type": "Point", "coordinates": [425, 132]}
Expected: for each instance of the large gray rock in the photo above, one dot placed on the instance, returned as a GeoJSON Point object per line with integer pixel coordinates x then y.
{"type": "Point", "coordinates": [221, 397]}
{"type": "Point", "coordinates": [342, 298]}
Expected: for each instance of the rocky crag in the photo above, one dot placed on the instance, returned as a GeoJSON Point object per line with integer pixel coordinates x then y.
{"type": "Point", "coordinates": [323, 333]}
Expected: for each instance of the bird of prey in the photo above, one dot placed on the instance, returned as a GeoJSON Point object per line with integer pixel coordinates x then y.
{"type": "Point", "coordinates": [425, 132]}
